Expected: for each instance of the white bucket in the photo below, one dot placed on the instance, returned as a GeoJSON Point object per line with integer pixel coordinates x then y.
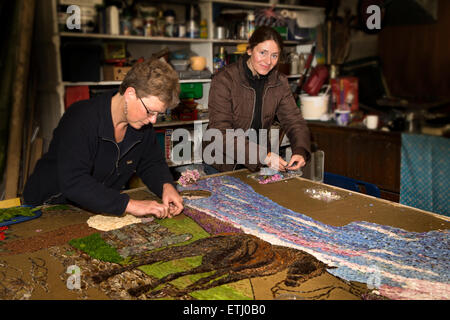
{"type": "Point", "coordinates": [313, 107]}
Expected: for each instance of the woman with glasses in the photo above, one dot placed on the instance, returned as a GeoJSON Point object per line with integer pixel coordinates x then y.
{"type": "Point", "coordinates": [100, 143]}
{"type": "Point", "coordinates": [248, 94]}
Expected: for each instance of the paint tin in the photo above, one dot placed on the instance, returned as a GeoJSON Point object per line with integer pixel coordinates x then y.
{"type": "Point", "coordinates": [220, 33]}
{"type": "Point", "coordinates": [181, 31]}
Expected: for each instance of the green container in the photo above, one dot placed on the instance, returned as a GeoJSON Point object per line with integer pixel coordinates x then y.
{"type": "Point", "coordinates": [283, 31]}
{"type": "Point", "coordinates": [191, 90]}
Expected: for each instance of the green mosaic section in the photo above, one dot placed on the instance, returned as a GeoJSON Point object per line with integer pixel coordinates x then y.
{"type": "Point", "coordinates": [240, 290]}
{"type": "Point", "coordinates": [96, 248]}
{"type": "Point", "coordinates": [184, 225]}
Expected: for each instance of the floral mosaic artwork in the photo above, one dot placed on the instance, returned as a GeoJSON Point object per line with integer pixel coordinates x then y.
{"type": "Point", "coordinates": [189, 177]}
{"type": "Point", "coordinates": [398, 263]}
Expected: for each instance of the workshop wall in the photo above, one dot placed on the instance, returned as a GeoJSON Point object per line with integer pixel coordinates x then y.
{"type": "Point", "coordinates": [416, 58]}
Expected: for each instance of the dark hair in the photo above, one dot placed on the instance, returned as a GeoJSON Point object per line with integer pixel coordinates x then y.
{"type": "Point", "coordinates": [262, 34]}
{"type": "Point", "coordinates": [153, 77]}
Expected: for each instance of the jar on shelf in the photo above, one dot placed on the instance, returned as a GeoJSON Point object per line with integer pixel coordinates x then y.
{"type": "Point", "coordinates": [250, 24]}
{"type": "Point", "coordinates": [293, 63]}
{"type": "Point", "coordinates": [203, 29]}
{"type": "Point", "coordinates": [181, 30]}
{"type": "Point", "coordinates": [169, 27]}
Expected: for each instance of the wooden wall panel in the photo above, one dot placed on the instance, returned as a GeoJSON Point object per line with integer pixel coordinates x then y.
{"type": "Point", "coordinates": [416, 58]}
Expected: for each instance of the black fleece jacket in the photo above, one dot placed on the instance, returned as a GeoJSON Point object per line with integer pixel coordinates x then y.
{"type": "Point", "coordinates": [85, 166]}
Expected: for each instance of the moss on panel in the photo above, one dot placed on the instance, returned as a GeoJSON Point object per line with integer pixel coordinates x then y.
{"type": "Point", "coordinates": [96, 248]}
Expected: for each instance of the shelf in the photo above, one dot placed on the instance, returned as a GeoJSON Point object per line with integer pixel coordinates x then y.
{"type": "Point", "coordinates": [195, 80]}
{"type": "Point", "coordinates": [131, 38]}
{"type": "Point", "coordinates": [116, 83]}
{"type": "Point", "coordinates": [164, 124]}
{"type": "Point", "coordinates": [236, 41]}
{"type": "Point", "coordinates": [263, 4]}
{"type": "Point", "coordinates": [163, 39]}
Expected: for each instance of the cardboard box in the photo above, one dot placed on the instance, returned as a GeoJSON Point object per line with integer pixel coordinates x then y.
{"type": "Point", "coordinates": [113, 73]}
{"type": "Point", "coordinates": [115, 50]}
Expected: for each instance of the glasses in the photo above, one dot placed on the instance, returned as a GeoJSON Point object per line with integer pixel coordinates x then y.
{"type": "Point", "coordinates": [150, 113]}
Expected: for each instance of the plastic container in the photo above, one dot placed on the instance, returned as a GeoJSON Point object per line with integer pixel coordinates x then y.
{"type": "Point", "coordinates": [191, 90]}
{"type": "Point", "coordinates": [180, 65]}
{"type": "Point", "coordinates": [313, 107]}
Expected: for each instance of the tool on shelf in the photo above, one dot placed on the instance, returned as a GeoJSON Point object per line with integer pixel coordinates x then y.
{"type": "Point", "coordinates": [302, 78]}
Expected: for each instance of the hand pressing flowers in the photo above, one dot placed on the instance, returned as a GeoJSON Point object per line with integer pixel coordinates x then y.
{"type": "Point", "coordinates": [188, 177]}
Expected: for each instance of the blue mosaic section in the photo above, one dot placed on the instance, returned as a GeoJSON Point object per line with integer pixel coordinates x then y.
{"type": "Point", "coordinates": [359, 250]}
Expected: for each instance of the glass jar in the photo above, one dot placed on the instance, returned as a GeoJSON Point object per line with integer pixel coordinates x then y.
{"type": "Point", "coordinates": [203, 29]}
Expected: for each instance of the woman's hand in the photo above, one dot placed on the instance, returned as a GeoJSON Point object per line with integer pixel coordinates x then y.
{"type": "Point", "coordinates": [275, 162]}
{"type": "Point", "coordinates": [140, 208]}
{"type": "Point", "coordinates": [296, 162]}
{"type": "Point", "coordinates": [172, 199]}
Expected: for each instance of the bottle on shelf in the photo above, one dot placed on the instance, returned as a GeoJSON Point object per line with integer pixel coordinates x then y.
{"type": "Point", "coordinates": [160, 24]}
{"type": "Point", "coordinates": [192, 26]}
{"type": "Point", "coordinates": [250, 24]}
{"type": "Point", "coordinates": [301, 63]}
{"type": "Point", "coordinates": [149, 28]}
{"type": "Point", "coordinates": [203, 29]}
{"type": "Point", "coordinates": [125, 23]}
{"type": "Point", "coordinates": [241, 31]}
{"type": "Point", "coordinates": [222, 54]}
{"type": "Point", "coordinates": [220, 59]}
{"type": "Point", "coordinates": [169, 27]}
{"type": "Point", "coordinates": [112, 20]}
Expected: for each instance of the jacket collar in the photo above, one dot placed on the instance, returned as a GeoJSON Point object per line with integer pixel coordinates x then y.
{"type": "Point", "coordinates": [106, 127]}
{"type": "Point", "coordinates": [272, 77]}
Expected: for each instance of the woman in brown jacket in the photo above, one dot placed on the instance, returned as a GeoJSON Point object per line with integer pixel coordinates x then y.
{"type": "Point", "coordinates": [249, 94]}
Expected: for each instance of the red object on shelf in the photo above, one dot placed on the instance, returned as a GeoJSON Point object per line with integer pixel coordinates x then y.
{"type": "Point", "coordinates": [345, 93]}
{"type": "Point", "coordinates": [187, 116]}
{"type": "Point", "coordinates": [76, 93]}
{"type": "Point", "coordinates": [316, 80]}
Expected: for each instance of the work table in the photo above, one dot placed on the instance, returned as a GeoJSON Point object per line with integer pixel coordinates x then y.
{"type": "Point", "coordinates": [43, 241]}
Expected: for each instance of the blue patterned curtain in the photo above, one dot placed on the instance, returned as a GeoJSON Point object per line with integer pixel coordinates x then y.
{"type": "Point", "coordinates": [425, 173]}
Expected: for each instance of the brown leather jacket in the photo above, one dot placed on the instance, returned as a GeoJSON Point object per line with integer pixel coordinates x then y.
{"type": "Point", "coordinates": [231, 104]}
